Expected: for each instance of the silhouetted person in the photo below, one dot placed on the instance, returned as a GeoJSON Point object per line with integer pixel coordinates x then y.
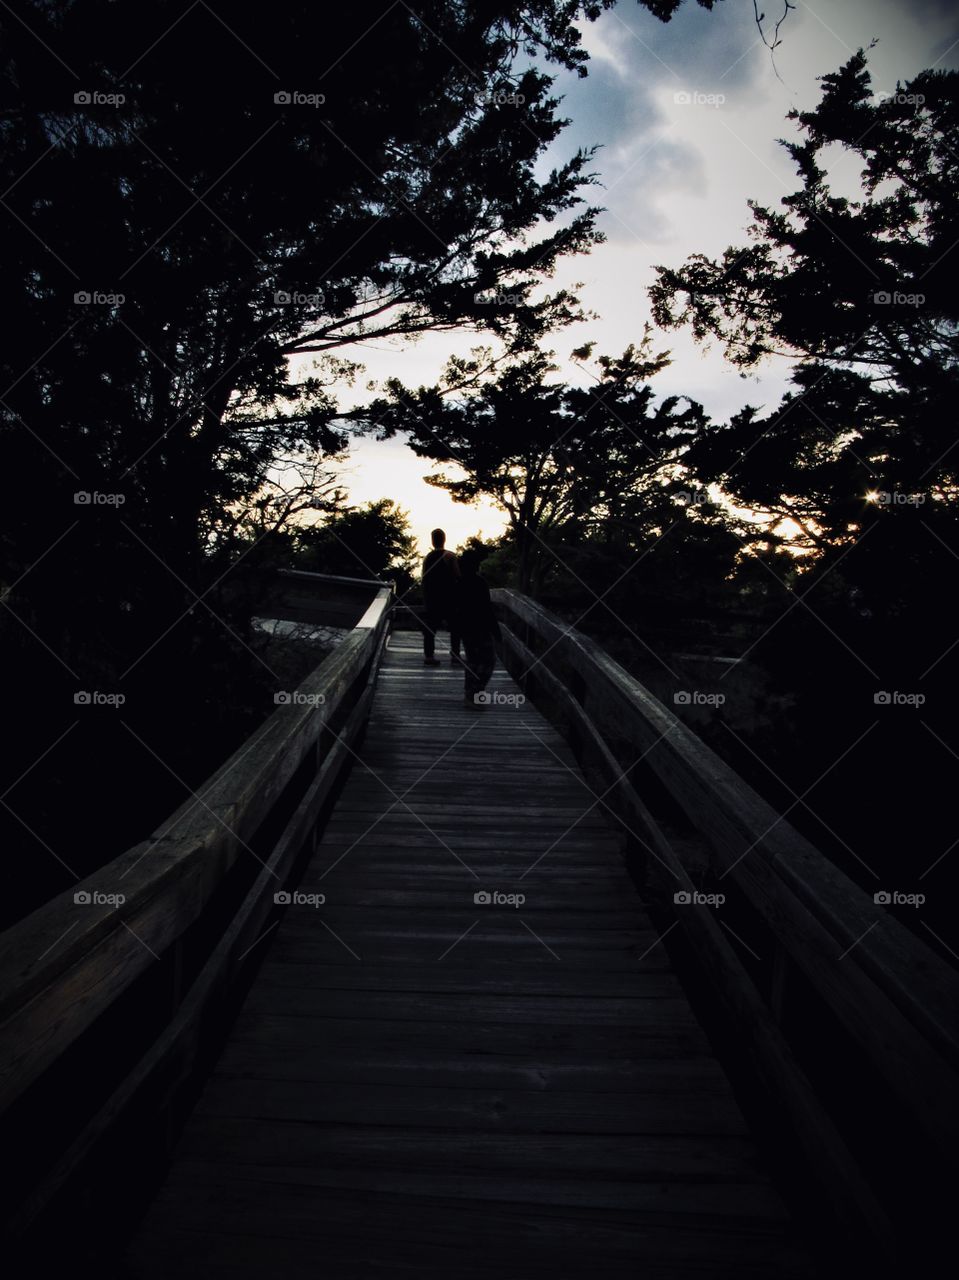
{"type": "Point", "coordinates": [440, 575]}
{"type": "Point", "coordinates": [476, 623]}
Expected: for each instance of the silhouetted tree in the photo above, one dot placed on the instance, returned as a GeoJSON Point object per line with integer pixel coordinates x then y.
{"type": "Point", "coordinates": [860, 455]}
{"type": "Point", "coordinates": [256, 190]}
{"type": "Point", "coordinates": [860, 294]}
{"type": "Point", "coordinates": [563, 463]}
{"type": "Point", "coordinates": [369, 541]}
{"type": "Point", "coordinates": [193, 206]}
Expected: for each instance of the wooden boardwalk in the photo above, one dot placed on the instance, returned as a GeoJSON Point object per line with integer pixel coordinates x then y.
{"type": "Point", "coordinates": [421, 1084]}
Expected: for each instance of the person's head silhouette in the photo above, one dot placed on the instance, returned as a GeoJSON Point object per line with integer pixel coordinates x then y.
{"type": "Point", "coordinates": [438, 538]}
{"type": "Point", "coordinates": [470, 562]}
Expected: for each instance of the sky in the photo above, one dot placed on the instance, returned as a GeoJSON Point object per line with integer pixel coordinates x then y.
{"type": "Point", "coordinates": [687, 115]}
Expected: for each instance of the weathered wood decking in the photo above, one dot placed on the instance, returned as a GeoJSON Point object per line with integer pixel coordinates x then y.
{"type": "Point", "coordinates": [419, 1084]}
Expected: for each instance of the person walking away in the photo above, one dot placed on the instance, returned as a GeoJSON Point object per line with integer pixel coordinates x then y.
{"type": "Point", "coordinates": [477, 625]}
{"type": "Point", "coordinates": [440, 574]}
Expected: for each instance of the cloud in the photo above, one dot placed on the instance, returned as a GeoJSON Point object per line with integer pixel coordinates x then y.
{"type": "Point", "coordinates": [605, 109]}
{"type": "Point", "coordinates": [640, 199]}
{"type": "Point", "coordinates": [709, 51]}
{"type": "Point", "coordinates": [676, 177]}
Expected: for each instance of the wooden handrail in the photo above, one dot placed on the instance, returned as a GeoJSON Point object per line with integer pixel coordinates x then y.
{"type": "Point", "coordinates": [893, 997]}
{"type": "Point", "coordinates": [65, 965]}
{"type": "Point", "coordinates": [331, 579]}
{"type": "Point", "coordinates": [732, 818]}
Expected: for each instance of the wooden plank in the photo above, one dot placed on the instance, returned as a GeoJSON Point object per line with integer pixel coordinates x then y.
{"type": "Point", "coordinates": [520, 940]}
{"type": "Point", "coordinates": [493, 949]}
{"type": "Point", "coordinates": [460, 912]}
{"type": "Point", "coordinates": [750, 1201]}
{"type": "Point", "coordinates": [461, 1108]}
{"type": "Point", "coordinates": [250, 1258]}
{"type": "Point", "coordinates": [333, 1063]}
{"type": "Point", "coordinates": [291, 994]}
{"type": "Point", "coordinates": [437, 1228]}
{"type": "Point", "coordinates": [384, 863]}
{"type": "Point", "coordinates": [551, 1040]}
{"type": "Point", "coordinates": [565, 835]}
{"type": "Point", "coordinates": [304, 943]}
{"type": "Point", "coordinates": [456, 905]}
{"type": "Point", "coordinates": [639, 1158]}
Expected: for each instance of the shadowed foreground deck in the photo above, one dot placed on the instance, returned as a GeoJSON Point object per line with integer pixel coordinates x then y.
{"type": "Point", "coordinates": [419, 1084]}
